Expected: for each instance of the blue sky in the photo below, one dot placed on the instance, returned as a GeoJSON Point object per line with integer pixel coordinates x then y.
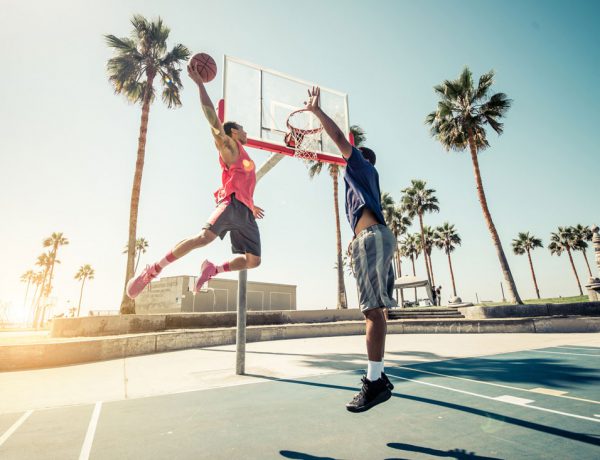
{"type": "Point", "coordinates": [67, 144]}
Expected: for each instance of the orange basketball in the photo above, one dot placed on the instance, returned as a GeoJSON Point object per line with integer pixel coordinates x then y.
{"type": "Point", "coordinates": [204, 65]}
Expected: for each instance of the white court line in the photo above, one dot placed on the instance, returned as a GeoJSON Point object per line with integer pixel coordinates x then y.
{"type": "Point", "coordinates": [543, 409]}
{"type": "Point", "coordinates": [563, 353]}
{"type": "Point", "coordinates": [494, 384]}
{"type": "Point", "coordinates": [15, 426]}
{"type": "Point", "coordinates": [91, 431]}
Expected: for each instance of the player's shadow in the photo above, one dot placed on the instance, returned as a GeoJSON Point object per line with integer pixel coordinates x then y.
{"type": "Point", "coordinates": [458, 454]}
{"type": "Point", "coordinates": [302, 456]}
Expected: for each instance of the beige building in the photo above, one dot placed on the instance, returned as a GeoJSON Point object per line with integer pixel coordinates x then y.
{"type": "Point", "coordinates": [174, 295]}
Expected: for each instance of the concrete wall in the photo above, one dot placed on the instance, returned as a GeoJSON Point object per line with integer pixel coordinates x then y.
{"type": "Point", "coordinates": [128, 324]}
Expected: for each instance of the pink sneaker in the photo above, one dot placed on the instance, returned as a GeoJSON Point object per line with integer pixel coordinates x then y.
{"type": "Point", "coordinates": [136, 285]}
{"type": "Point", "coordinates": [207, 271]}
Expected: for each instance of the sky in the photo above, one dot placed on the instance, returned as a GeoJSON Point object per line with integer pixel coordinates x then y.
{"type": "Point", "coordinates": [68, 143]}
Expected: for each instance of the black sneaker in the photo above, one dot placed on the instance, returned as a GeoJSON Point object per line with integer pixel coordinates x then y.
{"type": "Point", "coordinates": [371, 394]}
{"type": "Point", "coordinates": [389, 384]}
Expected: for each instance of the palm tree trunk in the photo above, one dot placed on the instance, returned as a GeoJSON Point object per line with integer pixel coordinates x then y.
{"type": "Point", "coordinates": [584, 252]}
{"type": "Point", "coordinates": [341, 302]}
{"type": "Point", "coordinates": [53, 259]}
{"type": "Point", "coordinates": [37, 310]}
{"type": "Point", "coordinates": [80, 296]}
{"type": "Point", "coordinates": [423, 248]}
{"type": "Point", "coordinates": [137, 261]}
{"type": "Point", "coordinates": [32, 305]}
{"type": "Point", "coordinates": [127, 304]}
{"type": "Point", "coordinates": [414, 274]}
{"type": "Point", "coordinates": [537, 290]}
{"type": "Point", "coordinates": [574, 270]}
{"type": "Point", "coordinates": [512, 287]}
{"type": "Point", "coordinates": [451, 274]}
{"type": "Point", "coordinates": [431, 270]}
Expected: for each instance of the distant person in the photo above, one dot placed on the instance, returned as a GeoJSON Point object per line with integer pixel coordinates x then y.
{"type": "Point", "coordinates": [434, 295]}
{"type": "Point", "coordinates": [372, 250]}
{"type": "Point", "coordinates": [235, 213]}
{"type": "Point", "coordinates": [438, 295]}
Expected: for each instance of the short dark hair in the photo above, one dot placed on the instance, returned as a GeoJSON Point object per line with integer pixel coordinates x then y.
{"type": "Point", "coordinates": [227, 127]}
{"type": "Point", "coordinates": [368, 154]}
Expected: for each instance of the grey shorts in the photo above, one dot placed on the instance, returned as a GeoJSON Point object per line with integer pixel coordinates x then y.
{"type": "Point", "coordinates": [372, 252]}
{"type": "Point", "coordinates": [236, 218]}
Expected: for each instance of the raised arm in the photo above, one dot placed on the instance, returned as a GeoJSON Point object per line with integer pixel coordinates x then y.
{"type": "Point", "coordinates": [226, 146]}
{"type": "Point", "coordinates": [329, 125]}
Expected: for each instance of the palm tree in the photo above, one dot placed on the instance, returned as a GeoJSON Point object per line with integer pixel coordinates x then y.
{"type": "Point", "coordinates": [54, 241]}
{"type": "Point", "coordinates": [459, 122]}
{"type": "Point", "coordinates": [582, 234]}
{"type": "Point", "coordinates": [44, 261]}
{"type": "Point", "coordinates": [388, 207]}
{"type": "Point", "coordinates": [141, 244]}
{"type": "Point", "coordinates": [409, 247]}
{"type": "Point", "coordinates": [446, 238]}
{"type": "Point", "coordinates": [429, 239]}
{"type": "Point", "coordinates": [27, 277]}
{"type": "Point", "coordinates": [37, 282]}
{"type": "Point", "coordinates": [85, 272]}
{"type": "Point", "coordinates": [359, 135]}
{"type": "Point", "coordinates": [399, 226]}
{"type": "Point", "coordinates": [524, 244]}
{"type": "Point", "coordinates": [562, 241]}
{"type": "Point", "coordinates": [417, 200]}
{"type": "Point", "coordinates": [137, 61]}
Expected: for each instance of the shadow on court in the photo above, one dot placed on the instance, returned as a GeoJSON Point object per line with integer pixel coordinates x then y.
{"type": "Point", "coordinates": [458, 454]}
{"type": "Point", "coordinates": [302, 456]}
{"type": "Point", "coordinates": [507, 368]}
{"type": "Point", "coordinates": [588, 439]}
{"type": "Point", "coordinates": [511, 369]}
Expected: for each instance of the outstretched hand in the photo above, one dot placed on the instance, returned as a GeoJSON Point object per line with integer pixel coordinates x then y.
{"type": "Point", "coordinates": [194, 75]}
{"type": "Point", "coordinates": [314, 96]}
{"type": "Point", "coordinates": [259, 213]}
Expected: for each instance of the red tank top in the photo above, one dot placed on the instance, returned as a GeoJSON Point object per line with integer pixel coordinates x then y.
{"type": "Point", "coordinates": [239, 178]}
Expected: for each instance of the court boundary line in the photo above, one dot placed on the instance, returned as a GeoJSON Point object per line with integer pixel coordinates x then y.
{"type": "Point", "coordinates": [14, 427]}
{"type": "Point", "coordinates": [86, 448]}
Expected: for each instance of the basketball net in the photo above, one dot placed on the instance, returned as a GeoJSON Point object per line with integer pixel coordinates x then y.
{"type": "Point", "coordinates": [304, 134]}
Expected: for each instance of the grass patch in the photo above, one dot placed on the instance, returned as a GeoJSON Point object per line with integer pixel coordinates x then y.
{"type": "Point", "coordinates": [555, 300]}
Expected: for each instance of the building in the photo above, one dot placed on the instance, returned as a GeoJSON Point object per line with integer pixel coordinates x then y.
{"type": "Point", "coordinates": [174, 295]}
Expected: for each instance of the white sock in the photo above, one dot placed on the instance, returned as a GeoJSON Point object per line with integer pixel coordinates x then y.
{"type": "Point", "coordinates": [374, 369]}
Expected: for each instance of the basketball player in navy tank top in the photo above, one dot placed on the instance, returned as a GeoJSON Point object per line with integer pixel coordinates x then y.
{"type": "Point", "coordinates": [235, 212]}
{"type": "Point", "coordinates": [372, 250]}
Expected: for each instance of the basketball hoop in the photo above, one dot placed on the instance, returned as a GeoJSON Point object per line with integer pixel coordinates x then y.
{"type": "Point", "coordinates": [303, 137]}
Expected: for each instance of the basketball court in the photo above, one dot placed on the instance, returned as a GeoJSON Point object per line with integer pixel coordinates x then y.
{"type": "Point", "coordinates": [538, 399]}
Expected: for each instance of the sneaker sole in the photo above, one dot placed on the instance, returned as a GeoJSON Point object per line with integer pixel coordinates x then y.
{"type": "Point", "coordinates": [381, 398]}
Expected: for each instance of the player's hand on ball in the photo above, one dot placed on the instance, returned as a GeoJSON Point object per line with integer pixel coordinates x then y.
{"type": "Point", "coordinates": [194, 75]}
{"type": "Point", "coordinates": [259, 213]}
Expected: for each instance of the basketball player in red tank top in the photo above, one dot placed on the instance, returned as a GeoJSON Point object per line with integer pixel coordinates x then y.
{"type": "Point", "coordinates": [235, 212]}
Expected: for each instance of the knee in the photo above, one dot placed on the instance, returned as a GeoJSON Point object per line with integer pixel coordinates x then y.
{"type": "Point", "coordinates": [202, 239]}
{"type": "Point", "coordinates": [252, 261]}
{"type": "Point", "coordinates": [376, 315]}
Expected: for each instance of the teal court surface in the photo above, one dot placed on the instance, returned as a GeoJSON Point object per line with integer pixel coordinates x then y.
{"type": "Point", "coordinates": [487, 396]}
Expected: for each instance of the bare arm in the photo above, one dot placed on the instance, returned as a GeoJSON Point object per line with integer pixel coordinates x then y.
{"type": "Point", "coordinates": [329, 125]}
{"type": "Point", "coordinates": [226, 146]}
